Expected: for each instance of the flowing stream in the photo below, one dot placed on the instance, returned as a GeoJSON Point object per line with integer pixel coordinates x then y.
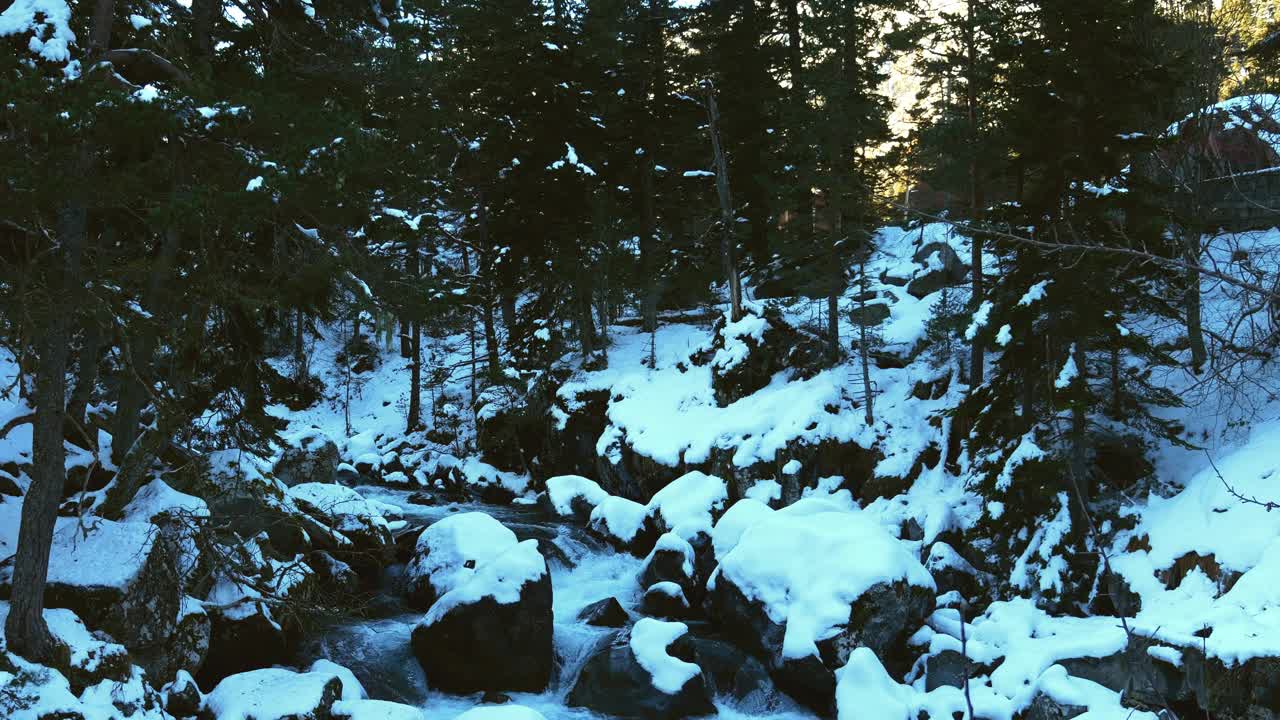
{"type": "Point", "coordinates": [376, 646]}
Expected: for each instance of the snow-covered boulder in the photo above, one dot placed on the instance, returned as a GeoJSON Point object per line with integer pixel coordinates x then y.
{"type": "Point", "coordinates": [374, 710]}
{"type": "Point", "coordinates": [671, 560]}
{"type": "Point", "coordinates": [310, 457]}
{"type": "Point", "coordinates": [182, 696]}
{"type": "Point", "coordinates": [644, 672]}
{"type": "Point", "coordinates": [274, 694]}
{"type": "Point", "coordinates": [116, 576]}
{"type": "Point", "coordinates": [91, 659]}
{"type": "Point", "coordinates": [942, 267]}
{"type": "Point", "coordinates": [345, 511]}
{"type": "Point", "coordinates": [744, 355]}
{"type": "Point", "coordinates": [622, 523]}
{"type": "Point", "coordinates": [492, 629]}
{"type": "Point", "coordinates": [689, 505]}
{"type": "Point", "coordinates": [448, 553]}
{"type": "Point", "coordinates": [244, 635]}
{"type": "Point", "coordinates": [574, 496]}
{"type": "Point", "coordinates": [665, 600]}
{"type": "Point", "coordinates": [805, 585]}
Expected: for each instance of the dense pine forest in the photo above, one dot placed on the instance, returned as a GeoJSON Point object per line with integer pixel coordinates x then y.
{"type": "Point", "coordinates": [529, 359]}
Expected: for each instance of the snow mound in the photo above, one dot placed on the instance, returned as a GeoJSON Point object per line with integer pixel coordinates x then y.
{"type": "Point", "coordinates": [735, 521]}
{"type": "Point", "coordinates": [500, 578]}
{"type": "Point", "coordinates": [1225, 537]}
{"type": "Point", "coordinates": [375, 710]}
{"type": "Point", "coordinates": [446, 549]}
{"type": "Point", "coordinates": [156, 498]}
{"type": "Point", "coordinates": [501, 712]}
{"type": "Point", "coordinates": [688, 504]}
{"type": "Point", "coordinates": [619, 518]}
{"type": "Point", "coordinates": [649, 642]}
{"type": "Point", "coordinates": [345, 509]}
{"type": "Point", "coordinates": [271, 694]}
{"type": "Point", "coordinates": [807, 563]}
{"type": "Point", "coordinates": [562, 490]}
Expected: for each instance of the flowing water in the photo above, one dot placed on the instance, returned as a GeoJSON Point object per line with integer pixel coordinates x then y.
{"type": "Point", "coordinates": [376, 646]}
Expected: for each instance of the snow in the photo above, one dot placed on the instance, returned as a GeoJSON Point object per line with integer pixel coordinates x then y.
{"type": "Point", "coordinates": [767, 491]}
{"type": "Point", "coordinates": [446, 547]}
{"type": "Point", "coordinates": [1069, 371]}
{"type": "Point", "coordinates": [139, 22]}
{"type": "Point", "coordinates": [267, 694]}
{"type": "Point", "coordinates": [563, 489]}
{"type": "Point", "coordinates": [76, 556]}
{"type": "Point", "coordinates": [864, 690]}
{"type": "Point", "coordinates": [686, 506]}
{"type": "Point", "coordinates": [1034, 294]}
{"type": "Point", "coordinates": [807, 563]}
{"type": "Point", "coordinates": [649, 641]}
{"type": "Point", "coordinates": [48, 21]}
{"type": "Point", "coordinates": [254, 184]}
{"type": "Point", "coordinates": [351, 687]}
{"type": "Point", "coordinates": [500, 578]}
{"type": "Point", "coordinates": [619, 517]}
{"type": "Point", "coordinates": [980, 319]}
{"type": "Point", "coordinates": [1004, 335]}
{"type": "Point", "coordinates": [1240, 537]}
{"type": "Point", "coordinates": [374, 710]}
{"type": "Point", "coordinates": [672, 542]}
{"type": "Point", "coordinates": [157, 498]}
{"type": "Point", "coordinates": [740, 516]}
{"type": "Point", "coordinates": [345, 509]}
{"type": "Point", "coordinates": [147, 93]}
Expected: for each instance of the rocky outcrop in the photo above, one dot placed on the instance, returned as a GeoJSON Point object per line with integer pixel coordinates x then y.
{"type": "Point", "coordinates": [116, 576]}
{"type": "Point", "coordinates": [943, 268]}
{"type": "Point", "coordinates": [274, 694]}
{"type": "Point", "coordinates": [313, 458]}
{"type": "Point", "coordinates": [604, 613]}
{"type": "Point", "coordinates": [492, 631]}
{"type": "Point", "coordinates": [746, 354]}
{"type": "Point", "coordinates": [184, 652]}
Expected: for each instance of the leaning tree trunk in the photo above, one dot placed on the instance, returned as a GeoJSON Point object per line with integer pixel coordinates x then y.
{"type": "Point", "coordinates": [728, 248]}
{"type": "Point", "coordinates": [1195, 326]}
{"type": "Point", "coordinates": [25, 629]}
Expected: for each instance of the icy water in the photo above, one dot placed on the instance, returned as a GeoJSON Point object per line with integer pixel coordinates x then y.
{"type": "Point", "coordinates": [583, 570]}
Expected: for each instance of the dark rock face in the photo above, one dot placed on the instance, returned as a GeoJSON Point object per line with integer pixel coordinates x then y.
{"type": "Point", "coordinates": [666, 564]}
{"type": "Point", "coordinates": [614, 683]}
{"type": "Point", "coordinates": [487, 645]}
{"type": "Point", "coordinates": [605, 613]}
{"type": "Point", "coordinates": [780, 347]}
{"type": "Point", "coordinates": [881, 619]}
{"type": "Point", "coordinates": [952, 270]}
{"type": "Point", "coordinates": [665, 600]}
{"type": "Point", "coordinates": [948, 668]}
{"type": "Point", "coordinates": [243, 637]}
{"type": "Point", "coordinates": [1248, 690]}
{"type": "Point", "coordinates": [183, 652]}
{"type": "Point", "coordinates": [334, 574]}
{"type": "Point", "coordinates": [1043, 708]}
{"type": "Point", "coordinates": [728, 670]}
{"type": "Point", "coordinates": [868, 315]}
{"type": "Point", "coordinates": [182, 697]}
{"type": "Point", "coordinates": [314, 460]}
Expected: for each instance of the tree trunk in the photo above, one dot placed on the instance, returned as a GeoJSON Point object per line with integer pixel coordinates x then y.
{"type": "Point", "coordinates": [86, 374]}
{"type": "Point", "coordinates": [976, 357]}
{"type": "Point", "coordinates": [728, 247]}
{"type": "Point", "coordinates": [415, 380]}
{"type": "Point", "coordinates": [1079, 468]}
{"type": "Point", "coordinates": [863, 351]}
{"type": "Point", "coordinates": [406, 338]}
{"type": "Point", "coordinates": [487, 273]}
{"type": "Point", "coordinates": [25, 630]}
{"type": "Point", "coordinates": [1195, 328]}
